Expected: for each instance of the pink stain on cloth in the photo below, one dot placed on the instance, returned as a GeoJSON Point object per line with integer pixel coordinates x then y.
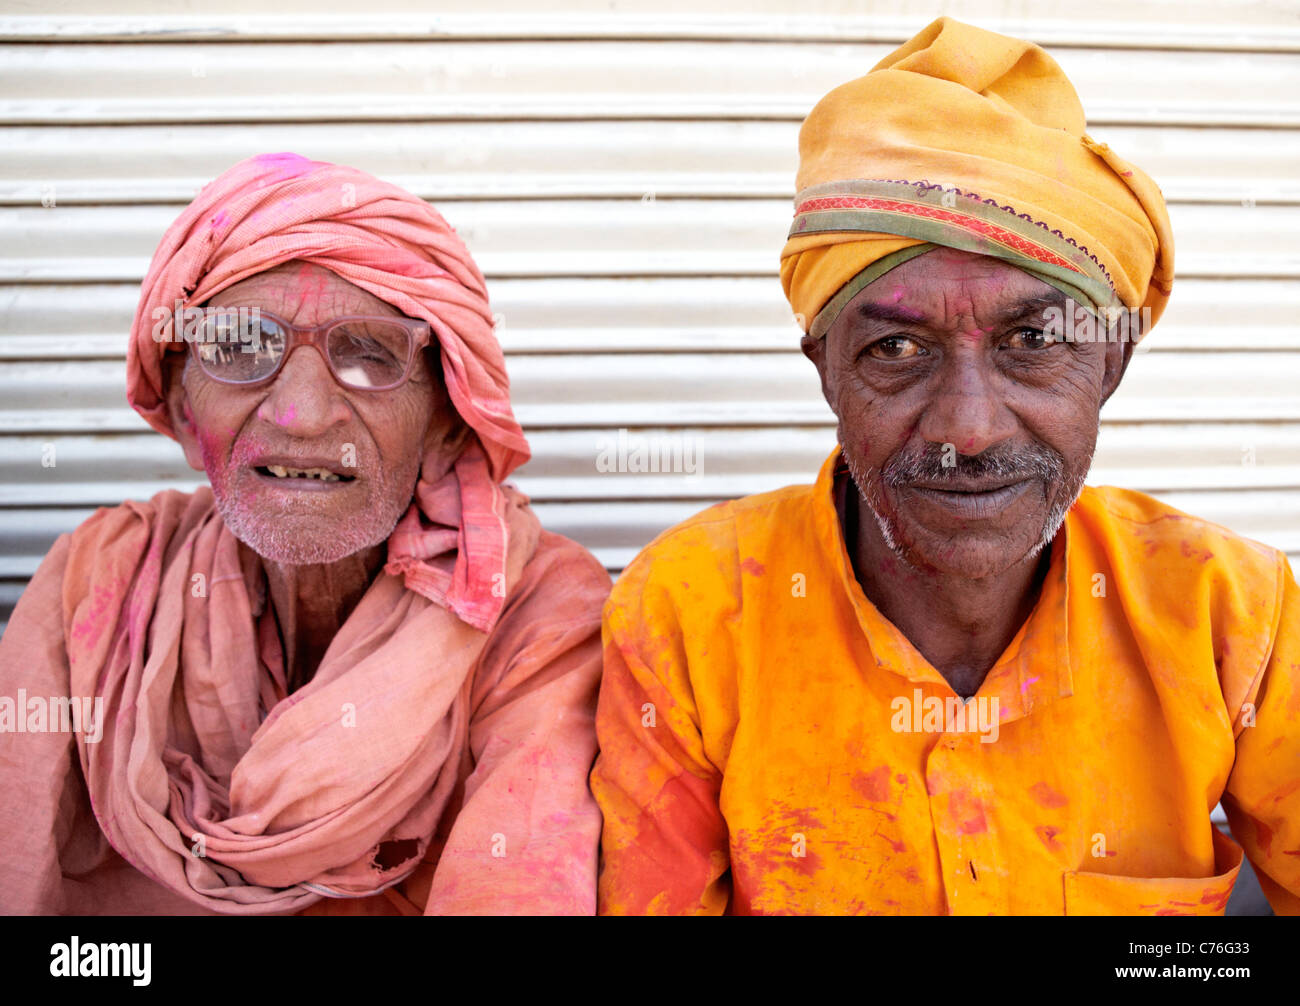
{"type": "Point", "coordinates": [447, 719]}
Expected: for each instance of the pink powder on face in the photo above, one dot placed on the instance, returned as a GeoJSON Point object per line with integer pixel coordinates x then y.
{"type": "Point", "coordinates": [335, 530]}
{"type": "Point", "coordinates": [211, 442]}
{"type": "Point", "coordinates": [311, 284]}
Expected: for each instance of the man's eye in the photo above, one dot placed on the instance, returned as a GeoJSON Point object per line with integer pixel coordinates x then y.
{"type": "Point", "coordinates": [894, 347]}
{"type": "Point", "coordinates": [1030, 338]}
{"type": "Point", "coordinates": [360, 347]}
{"type": "Point", "coordinates": [218, 354]}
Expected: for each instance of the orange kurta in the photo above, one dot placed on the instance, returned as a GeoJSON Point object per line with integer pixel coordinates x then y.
{"type": "Point", "coordinates": [767, 743]}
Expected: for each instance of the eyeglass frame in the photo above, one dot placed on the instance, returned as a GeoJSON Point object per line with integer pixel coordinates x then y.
{"type": "Point", "coordinates": [314, 336]}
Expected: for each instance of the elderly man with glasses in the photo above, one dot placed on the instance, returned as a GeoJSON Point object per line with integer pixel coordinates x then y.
{"type": "Point", "coordinates": [354, 675]}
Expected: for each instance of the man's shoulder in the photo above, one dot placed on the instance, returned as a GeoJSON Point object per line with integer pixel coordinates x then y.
{"type": "Point", "coordinates": [559, 571]}
{"type": "Point", "coordinates": [1159, 541]}
{"type": "Point", "coordinates": [713, 531]}
{"type": "Point", "coordinates": [109, 521]}
{"type": "Point", "coordinates": [97, 547]}
{"type": "Point", "coordinates": [704, 551]}
{"type": "Point", "coordinates": [1139, 516]}
{"type": "Point", "coordinates": [561, 568]}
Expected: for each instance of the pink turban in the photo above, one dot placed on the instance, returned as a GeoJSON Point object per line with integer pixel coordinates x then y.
{"type": "Point", "coordinates": [274, 208]}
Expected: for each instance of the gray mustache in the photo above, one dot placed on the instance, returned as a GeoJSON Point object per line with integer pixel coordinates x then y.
{"type": "Point", "coordinates": [1035, 461]}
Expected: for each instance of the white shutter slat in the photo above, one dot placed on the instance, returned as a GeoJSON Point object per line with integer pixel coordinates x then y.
{"type": "Point", "coordinates": [560, 79]}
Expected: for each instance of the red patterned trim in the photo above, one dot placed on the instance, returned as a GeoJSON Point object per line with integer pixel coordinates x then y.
{"type": "Point", "coordinates": [925, 187]}
{"type": "Point", "coordinates": [1010, 238]}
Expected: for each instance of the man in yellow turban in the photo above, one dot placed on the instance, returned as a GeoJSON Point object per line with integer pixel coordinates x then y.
{"type": "Point", "coordinates": [946, 677]}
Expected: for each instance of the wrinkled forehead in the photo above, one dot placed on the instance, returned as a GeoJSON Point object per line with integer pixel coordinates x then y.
{"type": "Point", "coordinates": [302, 293]}
{"type": "Point", "coordinates": [947, 286]}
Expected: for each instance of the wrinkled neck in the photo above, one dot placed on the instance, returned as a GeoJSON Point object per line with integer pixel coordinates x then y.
{"type": "Point", "coordinates": [311, 603]}
{"type": "Point", "coordinates": [960, 625]}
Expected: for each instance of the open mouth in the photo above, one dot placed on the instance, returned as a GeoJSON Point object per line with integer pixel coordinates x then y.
{"type": "Point", "coordinates": [311, 474]}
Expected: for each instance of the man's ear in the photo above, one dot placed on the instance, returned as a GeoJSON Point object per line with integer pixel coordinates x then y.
{"type": "Point", "coordinates": [178, 408]}
{"type": "Point", "coordinates": [815, 350]}
{"type": "Point", "coordinates": [1118, 355]}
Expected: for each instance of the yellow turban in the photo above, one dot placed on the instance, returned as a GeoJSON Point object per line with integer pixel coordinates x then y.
{"type": "Point", "coordinates": [971, 140]}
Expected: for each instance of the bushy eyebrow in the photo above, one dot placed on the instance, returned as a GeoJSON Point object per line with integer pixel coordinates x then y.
{"type": "Point", "coordinates": [1019, 309]}
{"type": "Point", "coordinates": [1034, 305]}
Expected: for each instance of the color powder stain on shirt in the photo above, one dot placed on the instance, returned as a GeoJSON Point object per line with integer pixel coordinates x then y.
{"type": "Point", "coordinates": [1047, 834]}
{"type": "Point", "coordinates": [968, 813]}
{"type": "Point", "coordinates": [87, 631]}
{"type": "Point", "coordinates": [873, 785]}
{"type": "Point", "coordinates": [1046, 796]}
{"type": "Point", "coordinates": [1216, 899]}
{"type": "Point", "coordinates": [788, 842]}
{"type": "Point", "coordinates": [753, 567]}
{"type": "Point", "coordinates": [750, 707]}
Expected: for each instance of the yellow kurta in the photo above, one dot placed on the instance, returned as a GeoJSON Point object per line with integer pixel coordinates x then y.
{"type": "Point", "coordinates": [770, 743]}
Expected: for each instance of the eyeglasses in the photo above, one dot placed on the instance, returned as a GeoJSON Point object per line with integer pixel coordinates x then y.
{"type": "Point", "coordinates": [248, 347]}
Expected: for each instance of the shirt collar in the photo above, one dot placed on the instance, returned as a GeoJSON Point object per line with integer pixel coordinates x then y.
{"type": "Point", "coordinates": [1032, 671]}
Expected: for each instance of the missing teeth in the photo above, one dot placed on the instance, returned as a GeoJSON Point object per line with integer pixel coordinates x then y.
{"type": "Point", "coordinates": [320, 474]}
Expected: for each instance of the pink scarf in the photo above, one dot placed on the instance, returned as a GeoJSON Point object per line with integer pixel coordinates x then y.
{"type": "Point", "coordinates": [212, 779]}
{"type": "Point", "coordinates": [275, 208]}
{"type": "Point", "coordinates": [190, 784]}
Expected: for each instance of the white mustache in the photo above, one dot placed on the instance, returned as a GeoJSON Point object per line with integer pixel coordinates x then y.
{"type": "Point", "coordinates": [1036, 462]}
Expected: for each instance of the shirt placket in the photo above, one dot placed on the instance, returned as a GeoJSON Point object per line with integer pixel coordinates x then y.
{"type": "Point", "coordinates": [977, 865]}
{"type": "Point", "coordinates": [961, 810]}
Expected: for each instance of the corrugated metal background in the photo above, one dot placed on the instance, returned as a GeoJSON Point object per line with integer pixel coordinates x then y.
{"type": "Point", "coordinates": [623, 173]}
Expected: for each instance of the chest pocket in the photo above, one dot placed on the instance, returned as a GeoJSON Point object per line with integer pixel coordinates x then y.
{"type": "Point", "coordinates": [1114, 894]}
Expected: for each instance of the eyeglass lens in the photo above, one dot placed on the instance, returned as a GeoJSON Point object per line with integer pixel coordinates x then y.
{"type": "Point", "coordinates": [365, 354]}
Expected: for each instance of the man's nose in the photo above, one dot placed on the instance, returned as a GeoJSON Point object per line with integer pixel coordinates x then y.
{"type": "Point", "coordinates": [304, 400]}
{"type": "Point", "coordinates": [968, 410]}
